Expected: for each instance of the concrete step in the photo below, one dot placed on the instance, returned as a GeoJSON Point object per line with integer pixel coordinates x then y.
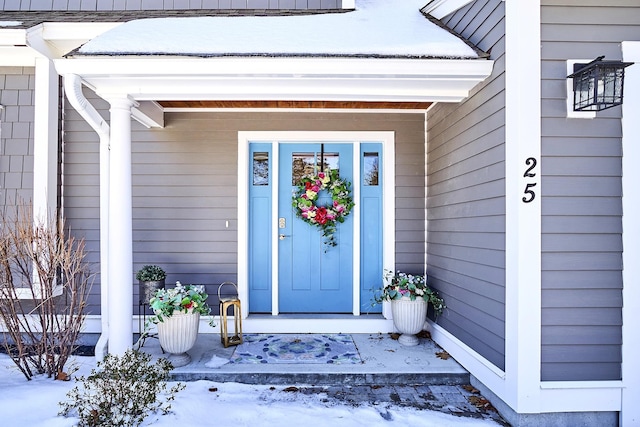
{"type": "Point", "coordinates": [384, 362]}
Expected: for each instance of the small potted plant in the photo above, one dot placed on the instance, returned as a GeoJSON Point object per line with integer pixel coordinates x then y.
{"type": "Point", "coordinates": [410, 297]}
{"type": "Point", "coordinates": [177, 316]}
{"type": "Point", "coordinates": [150, 279]}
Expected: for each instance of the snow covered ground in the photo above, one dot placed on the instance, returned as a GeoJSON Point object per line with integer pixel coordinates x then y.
{"type": "Point", "coordinates": [205, 403]}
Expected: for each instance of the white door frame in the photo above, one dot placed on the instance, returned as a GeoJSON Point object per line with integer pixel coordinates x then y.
{"type": "Point", "coordinates": [388, 199]}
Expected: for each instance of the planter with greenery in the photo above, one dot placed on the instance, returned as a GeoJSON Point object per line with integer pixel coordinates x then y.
{"type": "Point", "coordinates": [177, 316]}
{"type": "Point", "coordinates": [150, 279]}
{"type": "Point", "coordinates": [410, 297]}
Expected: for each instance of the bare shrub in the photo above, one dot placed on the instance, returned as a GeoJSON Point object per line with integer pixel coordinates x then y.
{"type": "Point", "coordinates": [38, 259]}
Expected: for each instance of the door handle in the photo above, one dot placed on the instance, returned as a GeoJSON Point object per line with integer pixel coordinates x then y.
{"type": "Point", "coordinates": [282, 236]}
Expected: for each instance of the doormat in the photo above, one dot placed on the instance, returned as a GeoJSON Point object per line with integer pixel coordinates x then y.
{"type": "Point", "coordinates": [297, 349]}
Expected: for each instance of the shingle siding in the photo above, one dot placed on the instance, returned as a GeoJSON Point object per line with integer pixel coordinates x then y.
{"type": "Point", "coordinates": [466, 193]}
{"type": "Point", "coordinates": [16, 135]}
{"type": "Point", "coordinates": [581, 197]}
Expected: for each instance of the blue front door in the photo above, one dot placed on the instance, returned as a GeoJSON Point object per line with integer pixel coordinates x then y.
{"type": "Point", "coordinates": [313, 277]}
{"type": "Point", "coordinates": [309, 276]}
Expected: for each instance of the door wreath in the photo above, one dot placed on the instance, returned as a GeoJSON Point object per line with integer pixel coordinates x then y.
{"type": "Point", "coordinates": [326, 217]}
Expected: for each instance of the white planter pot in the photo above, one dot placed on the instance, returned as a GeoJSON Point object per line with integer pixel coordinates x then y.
{"type": "Point", "coordinates": [177, 335]}
{"type": "Point", "coordinates": [408, 318]}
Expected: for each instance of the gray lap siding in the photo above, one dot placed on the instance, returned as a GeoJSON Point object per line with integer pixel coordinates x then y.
{"type": "Point", "coordinates": [185, 186]}
{"type": "Point", "coordinates": [465, 195]}
{"type": "Point", "coordinates": [582, 198]}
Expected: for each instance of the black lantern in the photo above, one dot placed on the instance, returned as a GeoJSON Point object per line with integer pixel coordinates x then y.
{"type": "Point", "coordinates": [598, 85]}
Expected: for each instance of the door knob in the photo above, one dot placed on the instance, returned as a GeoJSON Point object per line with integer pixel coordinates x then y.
{"type": "Point", "coordinates": [282, 236]}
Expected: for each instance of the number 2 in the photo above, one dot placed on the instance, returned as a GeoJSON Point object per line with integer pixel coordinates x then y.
{"type": "Point", "coordinates": [531, 162]}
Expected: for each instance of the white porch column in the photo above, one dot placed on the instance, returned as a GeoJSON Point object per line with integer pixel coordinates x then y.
{"type": "Point", "coordinates": [45, 141]}
{"type": "Point", "coordinates": [120, 228]}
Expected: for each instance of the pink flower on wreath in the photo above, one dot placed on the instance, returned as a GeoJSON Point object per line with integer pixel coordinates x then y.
{"type": "Point", "coordinates": [321, 216]}
{"type": "Point", "coordinates": [323, 178]}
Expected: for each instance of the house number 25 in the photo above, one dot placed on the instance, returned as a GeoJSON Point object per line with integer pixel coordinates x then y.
{"type": "Point", "coordinates": [529, 193]}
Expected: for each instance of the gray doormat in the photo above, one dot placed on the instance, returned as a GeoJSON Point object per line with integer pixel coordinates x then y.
{"type": "Point", "coordinates": [297, 349]}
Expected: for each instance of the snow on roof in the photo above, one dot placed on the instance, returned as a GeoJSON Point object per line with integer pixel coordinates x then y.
{"type": "Point", "coordinates": [376, 28]}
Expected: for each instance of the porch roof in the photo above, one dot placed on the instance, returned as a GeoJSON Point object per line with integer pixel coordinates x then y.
{"type": "Point", "coordinates": [390, 28]}
{"type": "Point", "coordinates": [382, 52]}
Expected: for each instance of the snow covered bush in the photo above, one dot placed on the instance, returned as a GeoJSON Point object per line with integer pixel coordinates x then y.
{"type": "Point", "coordinates": [122, 391]}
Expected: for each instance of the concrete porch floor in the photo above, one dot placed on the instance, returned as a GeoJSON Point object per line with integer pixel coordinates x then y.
{"type": "Point", "coordinates": [391, 375]}
{"type": "Point", "coordinates": [385, 361]}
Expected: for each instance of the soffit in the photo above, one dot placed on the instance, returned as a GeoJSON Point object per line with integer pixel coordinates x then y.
{"type": "Point", "coordinates": [327, 105]}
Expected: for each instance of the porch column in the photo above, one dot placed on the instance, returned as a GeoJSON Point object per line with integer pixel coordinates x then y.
{"type": "Point", "coordinates": [45, 141]}
{"type": "Point", "coordinates": [120, 267]}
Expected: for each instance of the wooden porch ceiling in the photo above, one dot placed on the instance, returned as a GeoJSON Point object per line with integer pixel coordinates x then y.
{"type": "Point", "coordinates": [298, 104]}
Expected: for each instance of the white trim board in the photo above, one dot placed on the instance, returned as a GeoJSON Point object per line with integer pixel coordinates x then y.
{"type": "Point", "coordinates": [244, 138]}
{"type": "Point", "coordinates": [264, 324]}
{"type": "Point", "coordinates": [556, 396]}
{"type": "Point", "coordinates": [630, 415]}
{"type": "Point", "coordinates": [348, 4]}
{"type": "Point", "coordinates": [271, 324]}
{"type": "Point", "coordinates": [45, 140]}
{"type": "Point", "coordinates": [324, 79]}
{"type": "Point", "coordinates": [297, 110]}
{"type": "Point", "coordinates": [523, 220]}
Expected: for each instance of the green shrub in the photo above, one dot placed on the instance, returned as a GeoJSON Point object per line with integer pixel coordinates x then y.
{"type": "Point", "coordinates": [122, 391]}
{"type": "Point", "coordinates": [151, 273]}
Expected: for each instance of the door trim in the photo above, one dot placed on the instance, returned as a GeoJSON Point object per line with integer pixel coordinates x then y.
{"type": "Point", "coordinates": [387, 139]}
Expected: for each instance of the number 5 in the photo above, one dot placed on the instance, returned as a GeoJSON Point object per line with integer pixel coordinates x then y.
{"type": "Point", "coordinates": [530, 193]}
